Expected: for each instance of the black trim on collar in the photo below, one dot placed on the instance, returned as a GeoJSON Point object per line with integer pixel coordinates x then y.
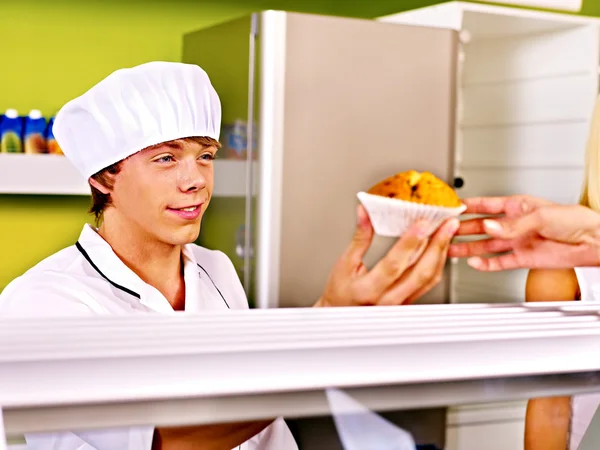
{"type": "Point", "coordinates": [213, 283]}
{"type": "Point", "coordinates": [87, 257]}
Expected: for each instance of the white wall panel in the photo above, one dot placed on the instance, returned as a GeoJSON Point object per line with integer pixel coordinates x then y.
{"type": "Point", "coordinates": [490, 436]}
{"type": "Point", "coordinates": [567, 52]}
{"type": "Point", "coordinates": [539, 100]}
{"type": "Point", "coordinates": [559, 145]}
{"type": "Point", "coordinates": [489, 287]}
{"type": "Point", "coordinates": [559, 185]}
{"type": "Point", "coordinates": [490, 426]}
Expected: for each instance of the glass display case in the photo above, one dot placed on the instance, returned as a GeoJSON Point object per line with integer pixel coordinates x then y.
{"type": "Point", "coordinates": [320, 369]}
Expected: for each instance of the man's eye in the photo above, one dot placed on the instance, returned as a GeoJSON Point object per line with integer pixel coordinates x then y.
{"type": "Point", "coordinates": [166, 158]}
{"type": "Point", "coordinates": [207, 157]}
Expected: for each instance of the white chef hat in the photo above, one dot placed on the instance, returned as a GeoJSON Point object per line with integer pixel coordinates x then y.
{"type": "Point", "coordinates": [133, 109]}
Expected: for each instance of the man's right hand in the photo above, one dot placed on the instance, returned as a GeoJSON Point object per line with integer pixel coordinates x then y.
{"type": "Point", "coordinates": [531, 233]}
{"type": "Point", "coordinates": [412, 267]}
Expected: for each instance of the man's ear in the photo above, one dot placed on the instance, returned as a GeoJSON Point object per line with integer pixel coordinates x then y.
{"type": "Point", "coordinates": [99, 186]}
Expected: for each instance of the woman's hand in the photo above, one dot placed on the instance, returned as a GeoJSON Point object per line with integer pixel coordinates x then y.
{"type": "Point", "coordinates": [531, 233]}
{"type": "Point", "coordinates": [412, 267]}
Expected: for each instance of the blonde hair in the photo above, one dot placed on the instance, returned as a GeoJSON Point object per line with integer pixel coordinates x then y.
{"type": "Point", "coordinates": [590, 193]}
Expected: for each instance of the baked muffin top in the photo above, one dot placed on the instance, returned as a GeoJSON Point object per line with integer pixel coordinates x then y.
{"type": "Point", "coordinates": [417, 187]}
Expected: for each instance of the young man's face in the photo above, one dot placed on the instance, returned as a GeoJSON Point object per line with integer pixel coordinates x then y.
{"type": "Point", "coordinates": [164, 190]}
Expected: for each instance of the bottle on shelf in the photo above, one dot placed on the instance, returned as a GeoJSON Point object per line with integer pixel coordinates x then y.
{"type": "Point", "coordinates": [11, 131]}
{"type": "Point", "coordinates": [235, 138]}
{"type": "Point", "coordinates": [51, 144]}
{"type": "Point", "coordinates": [34, 133]}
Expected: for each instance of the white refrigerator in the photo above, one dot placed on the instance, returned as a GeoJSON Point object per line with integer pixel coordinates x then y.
{"type": "Point", "coordinates": [337, 105]}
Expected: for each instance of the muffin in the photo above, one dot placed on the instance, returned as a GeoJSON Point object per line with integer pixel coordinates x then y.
{"type": "Point", "coordinates": [396, 203]}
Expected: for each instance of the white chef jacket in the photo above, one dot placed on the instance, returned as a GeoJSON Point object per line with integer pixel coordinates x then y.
{"type": "Point", "coordinates": [89, 278]}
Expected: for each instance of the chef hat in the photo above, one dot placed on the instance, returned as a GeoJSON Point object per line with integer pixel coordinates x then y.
{"type": "Point", "coordinates": [133, 109]}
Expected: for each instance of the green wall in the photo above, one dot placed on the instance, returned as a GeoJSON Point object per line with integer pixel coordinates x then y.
{"type": "Point", "coordinates": [54, 50]}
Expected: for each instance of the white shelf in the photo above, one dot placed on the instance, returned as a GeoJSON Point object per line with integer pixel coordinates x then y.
{"type": "Point", "coordinates": [230, 178]}
{"type": "Point", "coordinates": [40, 174]}
{"type": "Point", "coordinates": [55, 175]}
{"type": "Point", "coordinates": [249, 364]}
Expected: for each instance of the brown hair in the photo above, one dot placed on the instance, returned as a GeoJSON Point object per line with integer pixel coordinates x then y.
{"type": "Point", "coordinates": [105, 177]}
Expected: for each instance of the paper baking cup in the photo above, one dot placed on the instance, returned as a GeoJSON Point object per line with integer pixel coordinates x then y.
{"type": "Point", "coordinates": [392, 217]}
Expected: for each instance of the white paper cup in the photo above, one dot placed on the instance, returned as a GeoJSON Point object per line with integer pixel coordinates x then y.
{"type": "Point", "coordinates": [392, 217]}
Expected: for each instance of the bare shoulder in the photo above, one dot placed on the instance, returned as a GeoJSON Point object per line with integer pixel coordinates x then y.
{"type": "Point", "coordinates": [545, 285]}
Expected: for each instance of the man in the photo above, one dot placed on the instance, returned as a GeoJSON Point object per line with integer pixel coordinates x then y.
{"type": "Point", "coordinates": [531, 233]}
{"type": "Point", "coordinates": [146, 138]}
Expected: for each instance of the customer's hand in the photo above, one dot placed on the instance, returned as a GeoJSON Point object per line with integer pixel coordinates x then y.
{"type": "Point", "coordinates": [530, 233]}
{"type": "Point", "coordinates": [412, 267]}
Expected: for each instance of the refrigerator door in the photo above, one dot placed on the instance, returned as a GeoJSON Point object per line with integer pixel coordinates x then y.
{"type": "Point", "coordinates": [343, 104]}
{"type": "Point", "coordinates": [226, 52]}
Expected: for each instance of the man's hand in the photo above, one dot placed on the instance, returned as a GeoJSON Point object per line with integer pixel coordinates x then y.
{"type": "Point", "coordinates": [531, 233]}
{"type": "Point", "coordinates": [207, 437]}
{"type": "Point", "coordinates": [412, 267]}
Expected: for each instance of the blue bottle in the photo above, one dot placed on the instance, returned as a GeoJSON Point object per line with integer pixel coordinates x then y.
{"type": "Point", "coordinates": [11, 132]}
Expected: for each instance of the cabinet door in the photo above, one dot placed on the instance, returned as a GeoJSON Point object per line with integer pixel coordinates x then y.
{"type": "Point", "coordinates": [345, 103]}
{"type": "Point", "coordinates": [526, 102]}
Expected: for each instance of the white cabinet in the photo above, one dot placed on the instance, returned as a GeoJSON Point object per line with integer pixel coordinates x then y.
{"type": "Point", "coordinates": [526, 88]}
{"type": "Point", "coordinates": [525, 93]}
{"type": "Point", "coordinates": [563, 5]}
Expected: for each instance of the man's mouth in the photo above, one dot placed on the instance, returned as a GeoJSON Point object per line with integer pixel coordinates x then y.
{"type": "Point", "coordinates": [188, 208]}
{"type": "Point", "coordinates": [188, 212]}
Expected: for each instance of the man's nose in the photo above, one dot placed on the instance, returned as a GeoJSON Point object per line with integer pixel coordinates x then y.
{"type": "Point", "coordinates": [191, 176]}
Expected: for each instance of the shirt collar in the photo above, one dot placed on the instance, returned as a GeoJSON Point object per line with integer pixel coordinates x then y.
{"type": "Point", "coordinates": [104, 260]}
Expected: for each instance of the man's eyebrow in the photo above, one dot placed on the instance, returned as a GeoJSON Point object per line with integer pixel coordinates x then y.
{"type": "Point", "coordinates": [173, 144]}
